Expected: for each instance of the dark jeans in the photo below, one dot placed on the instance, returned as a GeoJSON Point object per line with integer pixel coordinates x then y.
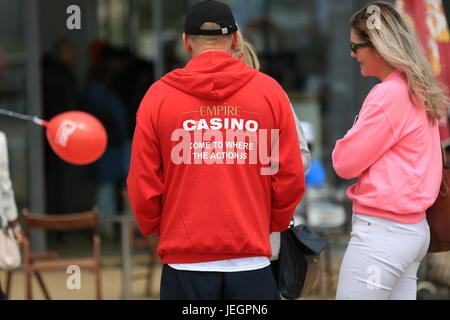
{"type": "Point", "coordinates": [198, 285]}
{"type": "Point", "coordinates": [275, 266]}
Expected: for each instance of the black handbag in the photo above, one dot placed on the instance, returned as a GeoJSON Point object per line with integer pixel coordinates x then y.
{"type": "Point", "coordinates": [299, 261]}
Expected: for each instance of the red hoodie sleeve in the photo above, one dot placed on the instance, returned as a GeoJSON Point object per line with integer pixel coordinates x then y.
{"type": "Point", "coordinates": [288, 184]}
{"type": "Point", "coordinates": [145, 178]}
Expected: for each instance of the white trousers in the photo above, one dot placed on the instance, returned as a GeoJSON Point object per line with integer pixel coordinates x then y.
{"type": "Point", "coordinates": [382, 259]}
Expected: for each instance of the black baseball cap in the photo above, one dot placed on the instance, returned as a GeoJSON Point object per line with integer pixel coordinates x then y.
{"type": "Point", "coordinates": [210, 11]}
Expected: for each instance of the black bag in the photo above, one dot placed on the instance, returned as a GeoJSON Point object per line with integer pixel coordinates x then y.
{"type": "Point", "coordinates": [299, 261]}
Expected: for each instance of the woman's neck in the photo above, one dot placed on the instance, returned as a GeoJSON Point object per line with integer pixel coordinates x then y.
{"type": "Point", "coordinates": [385, 72]}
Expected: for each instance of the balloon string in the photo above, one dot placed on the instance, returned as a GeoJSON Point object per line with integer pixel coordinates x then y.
{"type": "Point", "coordinates": [21, 116]}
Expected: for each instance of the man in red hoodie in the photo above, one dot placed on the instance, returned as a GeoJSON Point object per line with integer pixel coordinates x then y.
{"type": "Point", "coordinates": [215, 167]}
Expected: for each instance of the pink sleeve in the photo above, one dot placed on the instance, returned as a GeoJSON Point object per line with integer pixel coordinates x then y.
{"type": "Point", "coordinates": [364, 144]}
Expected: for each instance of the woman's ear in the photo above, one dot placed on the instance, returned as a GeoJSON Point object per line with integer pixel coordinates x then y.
{"type": "Point", "coordinates": [241, 55]}
{"type": "Point", "coordinates": [187, 44]}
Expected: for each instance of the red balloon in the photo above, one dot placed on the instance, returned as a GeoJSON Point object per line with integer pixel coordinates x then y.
{"type": "Point", "coordinates": [77, 137]}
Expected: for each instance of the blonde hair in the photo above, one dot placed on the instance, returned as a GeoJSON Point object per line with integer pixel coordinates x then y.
{"type": "Point", "coordinates": [247, 53]}
{"type": "Point", "coordinates": [399, 46]}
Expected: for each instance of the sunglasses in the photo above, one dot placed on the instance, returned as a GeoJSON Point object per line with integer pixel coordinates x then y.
{"type": "Point", "coordinates": [356, 46]}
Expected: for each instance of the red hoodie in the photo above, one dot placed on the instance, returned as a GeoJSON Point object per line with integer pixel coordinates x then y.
{"type": "Point", "coordinates": [199, 166]}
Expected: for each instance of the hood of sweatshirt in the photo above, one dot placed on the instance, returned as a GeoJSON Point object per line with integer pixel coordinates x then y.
{"type": "Point", "coordinates": [213, 75]}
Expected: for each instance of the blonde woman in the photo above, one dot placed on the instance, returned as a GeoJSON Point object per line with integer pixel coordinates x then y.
{"type": "Point", "coordinates": [247, 53]}
{"type": "Point", "coordinates": [394, 151]}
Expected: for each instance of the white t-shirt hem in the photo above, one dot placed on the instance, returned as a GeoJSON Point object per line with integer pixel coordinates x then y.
{"type": "Point", "coordinates": [232, 265]}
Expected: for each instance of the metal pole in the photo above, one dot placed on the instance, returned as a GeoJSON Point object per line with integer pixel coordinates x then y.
{"type": "Point", "coordinates": [34, 106]}
{"type": "Point", "coordinates": [132, 25]}
{"type": "Point", "coordinates": [157, 29]}
{"type": "Point", "coordinates": [126, 257]}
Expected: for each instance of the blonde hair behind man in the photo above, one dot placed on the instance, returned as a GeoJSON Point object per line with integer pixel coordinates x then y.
{"type": "Point", "coordinates": [247, 53]}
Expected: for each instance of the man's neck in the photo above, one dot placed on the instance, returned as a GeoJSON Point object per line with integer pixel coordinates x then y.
{"type": "Point", "coordinates": [194, 54]}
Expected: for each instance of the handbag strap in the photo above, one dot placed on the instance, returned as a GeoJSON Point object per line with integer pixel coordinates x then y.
{"type": "Point", "coordinates": [445, 188]}
{"type": "Point", "coordinates": [444, 159]}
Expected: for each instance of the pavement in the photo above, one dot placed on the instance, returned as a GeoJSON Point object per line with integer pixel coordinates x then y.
{"type": "Point", "coordinates": [111, 274]}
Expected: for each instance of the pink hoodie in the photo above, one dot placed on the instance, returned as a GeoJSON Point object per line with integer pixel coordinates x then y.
{"type": "Point", "coordinates": [395, 152]}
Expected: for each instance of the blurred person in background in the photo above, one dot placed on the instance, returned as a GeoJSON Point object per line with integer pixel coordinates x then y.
{"type": "Point", "coordinates": [61, 94]}
{"type": "Point", "coordinates": [60, 87]}
{"type": "Point", "coordinates": [131, 83]}
{"type": "Point", "coordinates": [101, 99]}
{"type": "Point", "coordinates": [316, 176]}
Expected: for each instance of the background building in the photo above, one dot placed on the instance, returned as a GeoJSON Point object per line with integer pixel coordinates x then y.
{"type": "Point", "coordinates": [304, 44]}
